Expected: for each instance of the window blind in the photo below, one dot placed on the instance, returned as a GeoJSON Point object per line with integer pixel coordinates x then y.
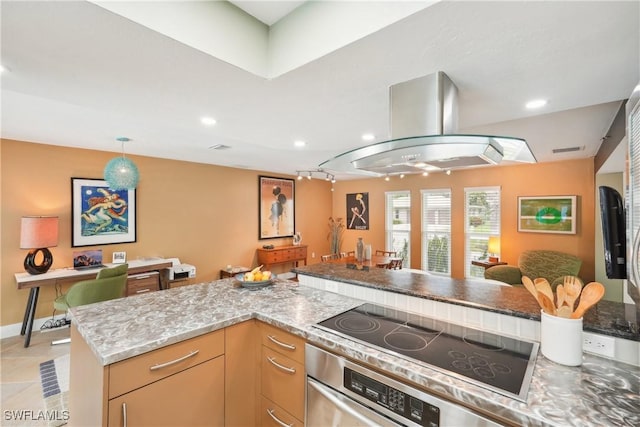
{"type": "Point", "coordinates": [398, 224]}
{"type": "Point", "coordinates": [482, 220]}
{"type": "Point", "coordinates": [436, 231]}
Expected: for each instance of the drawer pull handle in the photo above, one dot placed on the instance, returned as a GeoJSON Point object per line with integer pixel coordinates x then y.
{"type": "Point", "coordinates": [173, 362]}
{"type": "Point", "coordinates": [281, 344]}
{"type": "Point", "coordinates": [278, 420]}
{"type": "Point", "coordinates": [284, 368]}
{"type": "Point", "coordinates": [142, 277]}
{"type": "Point", "coordinates": [142, 291]}
{"type": "Point", "coordinates": [124, 414]}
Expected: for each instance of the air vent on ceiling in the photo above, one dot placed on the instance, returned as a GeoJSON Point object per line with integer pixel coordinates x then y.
{"type": "Point", "coordinates": [219, 147]}
{"type": "Point", "coordinates": [566, 150]}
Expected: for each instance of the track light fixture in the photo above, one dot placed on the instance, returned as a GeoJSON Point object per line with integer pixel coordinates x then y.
{"type": "Point", "coordinates": [319, 172]}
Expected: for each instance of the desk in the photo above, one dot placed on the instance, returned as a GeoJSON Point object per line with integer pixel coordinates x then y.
{"type": "Point", "coordinates": [486, 264]}
{"type": "Point", "coordinates": [64, 276]}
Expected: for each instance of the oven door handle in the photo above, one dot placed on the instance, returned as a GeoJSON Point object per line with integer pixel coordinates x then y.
{"type": "Point", "coordinates": [329, 395]}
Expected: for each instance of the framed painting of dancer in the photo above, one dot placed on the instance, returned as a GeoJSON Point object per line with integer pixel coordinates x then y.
{"type": "Point", "coordinates": [276, 198]}
{"type": "Point", "coordinates": [358, 211]}
{"type": "Point", "coordinates": [100, 215]}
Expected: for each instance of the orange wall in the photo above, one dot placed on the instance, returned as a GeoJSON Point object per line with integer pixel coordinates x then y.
{"type": "Point", "coordinates": [205, 215]}
{"type": "Point", "coordinates": [575, 177]}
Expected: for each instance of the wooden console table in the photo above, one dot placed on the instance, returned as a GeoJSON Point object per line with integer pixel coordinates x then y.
{"type": "Point", "coordinates": [63, 276]}
{"type": "Point", "coordinates": [486, 264]}
{"type": "Point", "coordinates": [282, 255]}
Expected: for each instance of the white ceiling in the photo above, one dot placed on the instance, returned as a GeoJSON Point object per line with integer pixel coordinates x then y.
{"type": "Point", "coordinates": [268, 12]}
{"type": "Point", "coordinates": [81, 76]}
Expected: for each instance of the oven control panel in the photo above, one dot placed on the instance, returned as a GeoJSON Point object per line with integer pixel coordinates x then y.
{"type": "Point", "coordinates": [403, 404]}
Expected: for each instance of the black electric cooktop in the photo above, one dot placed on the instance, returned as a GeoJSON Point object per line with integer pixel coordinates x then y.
{"type": "Point", "coordinates": [502, 364]}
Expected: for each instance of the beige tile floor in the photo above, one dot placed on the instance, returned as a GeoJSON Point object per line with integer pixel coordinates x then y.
{"type": "Point", "coordinates": [20, 375]}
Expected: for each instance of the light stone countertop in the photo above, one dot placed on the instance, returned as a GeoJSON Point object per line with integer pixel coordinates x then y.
{"type": "Point", "coordinates": [600, 392]}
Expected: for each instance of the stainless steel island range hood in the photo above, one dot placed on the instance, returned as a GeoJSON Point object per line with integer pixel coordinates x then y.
{"type": "Point", "coordinates": [428, 106]}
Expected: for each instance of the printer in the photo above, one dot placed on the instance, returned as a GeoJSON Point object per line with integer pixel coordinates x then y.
{"type": "Point", "coordinates": [179, 271]}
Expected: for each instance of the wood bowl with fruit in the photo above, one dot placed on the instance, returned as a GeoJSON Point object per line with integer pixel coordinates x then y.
{"type": "Point", "coordinates": [255, 278]}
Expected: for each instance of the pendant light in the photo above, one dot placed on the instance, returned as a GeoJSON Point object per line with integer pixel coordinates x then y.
{"type": "Point", "coordinates": [121, 173]}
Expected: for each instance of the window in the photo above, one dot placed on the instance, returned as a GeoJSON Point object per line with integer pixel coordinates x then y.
{"type": "Point", "coordinates": [436, 231]}
{"type": "Point", "coordinates": [482, 220]}
{"type": "Point", "coordinates": [398, 224]}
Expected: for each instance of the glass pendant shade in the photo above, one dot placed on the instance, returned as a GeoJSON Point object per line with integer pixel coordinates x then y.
{"type": "Point", "coordinates": [121, 174]}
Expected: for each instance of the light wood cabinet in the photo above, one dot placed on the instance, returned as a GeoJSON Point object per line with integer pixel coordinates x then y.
{"type": "Point", "coordinates": [282, 376]}
{"type": "Point", "coordinates": [178, 385]}
{"type": "Point", "coordinates": [283, 342]}
{"type": "Point", "coordinates": [272, 415]}
{"type": "Point", "coordinates": [146, 368]}
{"type": "Point", "coordinates": [242, 366]}
{"type": "Point", "coordinates": [194, 397]}
{"type": "Point", "coordinates": [248, 374]}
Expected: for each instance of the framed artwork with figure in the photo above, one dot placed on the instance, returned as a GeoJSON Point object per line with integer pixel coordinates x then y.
{"type": "Point", "coordinates": [276, 199]}
{"type": "Point", "coordinates": [358, 211]}
{"type": "Point", "coordinates": [100, 215]}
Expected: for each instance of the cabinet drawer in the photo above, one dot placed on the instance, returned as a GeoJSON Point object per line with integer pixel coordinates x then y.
{"type": "Point", "coordinates": [143, 283]}
{"type": "Point", "coordinates": [138, 371]}
{"type": "Point", "coordinates": [283, 342]}
{"type": "Point", "coordinates": [282, 382]}
{"type": "Point", "coordinates": [270, 414]}
{"type": "Point", "coordinates": [194, 397]}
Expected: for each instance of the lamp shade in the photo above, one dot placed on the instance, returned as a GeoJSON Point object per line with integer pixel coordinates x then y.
{"type": "Point", "coordinates": [494, 245]}
{"type": "Point", "coordinates": [121, 174]}
{"type": "Point", "coordinates": [38, 232]}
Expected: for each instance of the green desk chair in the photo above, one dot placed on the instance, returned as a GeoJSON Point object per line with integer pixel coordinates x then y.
{"type": "Point", "coordinates": [110, 283]}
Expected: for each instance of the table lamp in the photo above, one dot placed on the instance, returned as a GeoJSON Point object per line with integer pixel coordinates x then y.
{"type": "Point", "coordinates": [38, 233]}
{"type": "Point", "coordinates": [493, 247]}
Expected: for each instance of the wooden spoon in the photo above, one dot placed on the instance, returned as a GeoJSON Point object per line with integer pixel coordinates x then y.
{"type": "Point", "coordinates": [542, 285]}
{"type": "Point", "coordinates": [530, 287]}
{"type": "Point", "coordinates": [546, 303]}
{"type": "Point", "coordinates": [591, 294]}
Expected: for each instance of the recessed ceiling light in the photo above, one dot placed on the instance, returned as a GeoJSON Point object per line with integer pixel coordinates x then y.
{"type": "Point", "coordinates": [3, 69]}
{"type": "Point", "coordinates": [536, 103]}
{"type": "Point", "coordinates": [368, 137]}
{"type": "Point", "coordinates": [299, 143]}
{"type": "Point", "coordinates": [208, 121]}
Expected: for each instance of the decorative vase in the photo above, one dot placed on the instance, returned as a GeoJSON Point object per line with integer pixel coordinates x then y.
{"type": "Point", "coordinates": [360, 250]}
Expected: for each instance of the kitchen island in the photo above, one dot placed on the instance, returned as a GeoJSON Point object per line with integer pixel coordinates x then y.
{"type": "Point", "coordinates": [599, 392]}
{"type": "Point", "coordinates": [605, 318]}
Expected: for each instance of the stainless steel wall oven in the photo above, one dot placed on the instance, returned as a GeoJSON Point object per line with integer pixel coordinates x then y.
{"type": "Point", "coordinates": [342, 393]}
